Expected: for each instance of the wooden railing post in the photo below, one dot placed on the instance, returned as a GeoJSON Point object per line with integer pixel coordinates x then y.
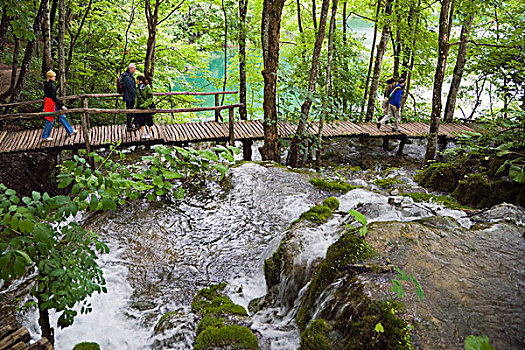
{"type": "Point", "coordinates": [231, 117]}
{"type": "Point", "coordinates": [84, 119]}
{"type": "Point", "coordinates": [217, 112]}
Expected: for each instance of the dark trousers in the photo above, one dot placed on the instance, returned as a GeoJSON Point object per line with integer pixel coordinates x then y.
{"type": "Point", "coordinates": [129, 116]}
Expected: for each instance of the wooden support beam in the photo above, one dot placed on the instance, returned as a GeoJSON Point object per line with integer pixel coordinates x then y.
{"type": "Point", "coordinates": [402, 144]}
{"type": "Point", "coordinates": [231, 120]}
{"type": "Point", "coordinates": [386, 141]}
{"type": "Point", "coordinates": [84, 120]}
{"type": "Point", "coordinates": [20, 335]}
{"type": "Point", "coordinates": [217, 112]}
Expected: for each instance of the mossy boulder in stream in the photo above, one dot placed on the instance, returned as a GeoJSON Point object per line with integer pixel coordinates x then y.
{"type": "Point", "coordinates": [319, 213]}
{"type": "Point", "coordinates": [218, 327]}
{"type": "Point", "coordinates": [439, 177]}
{"type": "Point", "coordinates": [315, 336]}
{"type": "Point", "coordinates": [86, 346]}
{"type": "Point", "coordinates": [347, 250]}
{"type": "Point", "coordinates": [333, 186]}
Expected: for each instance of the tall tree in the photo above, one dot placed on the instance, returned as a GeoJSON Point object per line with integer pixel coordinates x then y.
{"type": "Point", "coordinates": [62, 47]}
{"type": "Point", "coordinates": [243, 114]}
{"type": "Point", "coordinates": [74, 38]}
{"type": "Point", "coordinates": [443, 49]}
{"type": "Point", "coordinates": [47, 61]}
{"type": "Point", "coordinates": [328, 81]}
{"type": "Point", "coordinates": [270, 34]}
{"type": "Point", "coordinates": [371, 56]}
{"type": "Point", "coordinates": [459, 67]}
{"type": "Point", "coordinates": [305, 107]}
{"type": "Point", "coordinates": [28, 54]}
{"type": "Point", "coordinates": [381, 48]}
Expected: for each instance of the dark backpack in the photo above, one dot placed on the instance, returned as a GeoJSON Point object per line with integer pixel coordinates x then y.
{"type": "Point", "coordinates": [120, 83]}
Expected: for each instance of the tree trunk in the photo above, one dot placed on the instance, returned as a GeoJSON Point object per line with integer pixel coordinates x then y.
{"type": "Point", "coordinates": [381, 48]}
{"type": "Point", "coordinates": [301, 31]}
{"type": "Point", "coordinates": [62, 47]}
{"type": "Point", "coordinates": [152, 19]}
{"type": "Point", "coordinates": [14, 69]}
{"type": "Point", "coordinates": [270, 34]}
{"type": "Point", "coordinates": [371, 57]}
{"type": "Point", "coordinates": [458, 69]}
{"type": "Point", "coordinates": [314, 14]}
{"type": "Point", "coordinates": [438, 80]}
{"type": "Point", "coordinates": [47, 60]}
{"type": "Point", "coordinates": [243, 114]}
{"type": "Point", "coordinates": [328, 86]}
{"type": "Point", "coordinates": [75, 38]}
{"type": "Point", "coordinates": [4, 26]}
{"type": "Point", "coordinates": [305, 107]}
{"type": "Point", "coordinates": [28, 54]}
{"type": "Point", "coordinates": [43, 321]}
{"type": "Point", "coordinates": [396, 48]}
{"type": "Point", "coordinates": [225, 50]}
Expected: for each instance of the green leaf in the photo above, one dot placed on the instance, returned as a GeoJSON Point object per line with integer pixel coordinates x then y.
{"type": "Point", "coordinates": [108, 204]}
{"type": "Point", "coordinates": [157, 181]}
{"type": "Point", "coordinates": [25, 256]}
{"type": "Point", "coordinates": [151, 197]}
{"type": "Point", "coordinates": [517, 173]}
{"type": "Point", "coordinates": [379, 328]}
{"type": "Point", "coordinates": [93, 204]}
{"type": "Point", "coordinates": [209, 155]}
{"type": "Point", "coordinates": [26, 226]}
{"type": "Point", "coordinates": [360, 218]}
{"type": "Point", "coordinates": [473, 342]}
{"type": "Point", "coordinates": [65, 182]}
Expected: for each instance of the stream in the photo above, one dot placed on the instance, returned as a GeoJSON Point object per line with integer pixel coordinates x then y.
{"type": "Point", "coordinates": [162, 254]}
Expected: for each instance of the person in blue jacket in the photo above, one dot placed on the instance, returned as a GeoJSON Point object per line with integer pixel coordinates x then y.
{"type": "Point", "coordinates": [394, 106]}
{"type": "Point", "coordinates": [129, 93]}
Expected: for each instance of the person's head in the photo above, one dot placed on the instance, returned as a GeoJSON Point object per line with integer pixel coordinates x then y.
{"type": "Point", "coordinates": [390, 81]}
{"type": "Point", "coordinates": [132, 68]}
{"type": "Point", "coordinates": [402, 81]}
{"type": "Point", "coordinates": [141, 79]}
{"type": "Point", "coordinates": [51, 76]}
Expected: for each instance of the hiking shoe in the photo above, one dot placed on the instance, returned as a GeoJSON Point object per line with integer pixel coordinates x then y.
{"type": "Point", "coordinates": [47, 139]}
{"type": "Point", "coordinates": [395, 130]}
{"type": "Point", "coordinates": [378, 124]}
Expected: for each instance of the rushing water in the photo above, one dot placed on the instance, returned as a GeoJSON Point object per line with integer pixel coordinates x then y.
{"type": "Point", "coordinates": [161, 254]}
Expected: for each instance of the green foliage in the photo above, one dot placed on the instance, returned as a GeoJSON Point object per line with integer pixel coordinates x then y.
{"type": "Point", "coordinates": [482, 342]}
{"type": "Point", "coordinates": [439, 177]}
{"type": "Point", "coordinates": [332, 203]}
{"type": "Point", "coordinates": [226, 337]}
{"type": "Point", "coordinates": [336, 186]}
{"type": "Point", "coordinates": [86, 346]}
{"type": "Point", "coordinates": [315, 337]}
{"type": "Point", "coordinates": [208, 321]}
{"type": "Point", "coordinates": [38, 236]}
{"type": "Point", "coordinates": [318, 214]}
{"type": "Point", "coordinates": [397, 286]}
{"type": "Point", "coordinates": [360, 218]}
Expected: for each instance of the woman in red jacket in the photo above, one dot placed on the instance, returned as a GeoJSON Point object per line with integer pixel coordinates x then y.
{"type": "Point", "coordinates": [52, 104]}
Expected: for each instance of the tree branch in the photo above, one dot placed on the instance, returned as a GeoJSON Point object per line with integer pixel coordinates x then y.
{"type": "Point", "coordinates": [171, 12]}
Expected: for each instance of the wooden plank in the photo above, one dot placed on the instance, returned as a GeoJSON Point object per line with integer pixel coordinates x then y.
{"type": "Point", "coordinates": [21, 139]}
{"type": "Point", "coordinates": [11, 143]}
{"type": "Point", "coordinates": [248, 125]}
{"type": "Point", "coordinates": [42, 344]}
{"type": "Point", "coordinates": [168, 136]}
{"type": "Point", "coordinates": [181, 130]}
{"type": "Point", "coordinates": [252, 127]}
{"type": "Point", "coordinates": [190, 128]}
{"type": "Point", "coordinates": [3, 134]}
{"type": "Point", "coordinates": [18, 346]}
{"type": "Point", "coordinates": [172, 133]}
{"type": "Point", "coordinates": [209, 131]}
{"type": "Point", "coordinates": [199, 132]}
{"type": "Point", "coordinates": [20, 334]}
{"type": "Point", "coordinates": [239, 131]}
{"type": "Point", "coordinates": [219, 131]}
{"type": "Point", "coordinates": [7, 329]}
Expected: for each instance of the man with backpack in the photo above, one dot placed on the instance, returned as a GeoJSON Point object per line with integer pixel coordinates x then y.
{"type": "Point", "coordinates": [394, 106]}
{"type": "Point", "coordinates": [126, 85]}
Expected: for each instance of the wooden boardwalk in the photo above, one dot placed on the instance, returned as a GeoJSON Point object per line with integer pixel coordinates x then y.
{"type": "Point", "coordinates": [103, 136]}
{"type": "Point", "coordinates": [14, 337]}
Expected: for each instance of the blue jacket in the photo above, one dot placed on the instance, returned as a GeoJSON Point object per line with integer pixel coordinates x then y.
{"type": "Point", "coordinates": [395, 99]}
{"type": "Point", "coordinates": [129, 87]}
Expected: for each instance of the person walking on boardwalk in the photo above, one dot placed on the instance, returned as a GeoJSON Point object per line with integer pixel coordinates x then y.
{"type": "Point", "coordinates": [128, 81]}
{"type": "Point", "coordinates": [394, 106]}
{"type": "Point", "coordinates": [144, 100]}
{"type": "Point", "coordinates": [390, 83]}
{"type": "Point", "coordinates": [53, 104]}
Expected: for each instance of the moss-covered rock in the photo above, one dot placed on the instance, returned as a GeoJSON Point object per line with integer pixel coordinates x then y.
{"type": "Point", "coordinates": [226, 337]}
{"type": "Point", "coordinates": [272, 268]}
{"type": "Point", "coordinates": [347, 250]}
{"type": "Point", "coordinates": [332, 203]}
{"type": "Point", "coordinates": [438, 176]}
{"type": "Point", "coordinates": [388, 182]}
{"type": "Point", "coordinates": [315, 336]}
{"type": "Point", "coordinates": [208, 321]}
{"type": "Point", "coordinates": [333, 186]}
{"type": "Point", "coordinates": [318, 214]}
{"type": "Point", "coordinates": [211, 302]}
{"type": "Point", "coordinates": [86, 346]}
{"type": "Point", "coordinates": [474, 190]}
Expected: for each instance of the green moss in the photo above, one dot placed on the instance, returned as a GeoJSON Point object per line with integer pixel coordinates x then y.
{"type": "Point", "coordinates": [447, 201]}
{"type": "Point", "coordinates": [361, 330]}
{"type": "Point", "coordinates": [438, 176]}
{"type": "Point", "coordinates": [211, 302]}
{"type": "Point", "coordinates": [332, 203]}
{"type": "Point", "coordinates": [209, 322]}
{"type": "Point", "coordinates": [336, 186]}
{"type": "Point", "coordinates": [86, 346]}
{"type": "Point", "coordinates": [317, 214]}
{"type": "Point", "coordinates": [388, 182]}
{"type": "Point", "coordinates": [227, 337]}
{"type": "Point", "coordinates": [347, 250]}
{"type": "Point", "coordinates": [315, 336]}
{"type": "Point", "coordinates": [272, 268]}
{"type": "Point", "coordinates": [475, 191]}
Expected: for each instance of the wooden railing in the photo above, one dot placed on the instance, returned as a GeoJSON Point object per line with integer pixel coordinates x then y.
{"type": "Point", "coordinates": [85, 111]}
